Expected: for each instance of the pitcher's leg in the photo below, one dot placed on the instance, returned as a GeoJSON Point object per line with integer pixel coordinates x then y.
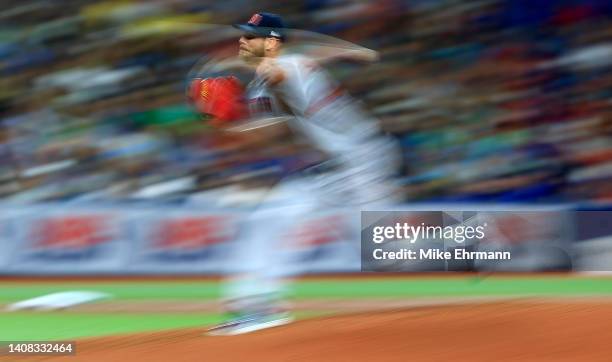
{"type": "Point", "coordinates": [255, 288]}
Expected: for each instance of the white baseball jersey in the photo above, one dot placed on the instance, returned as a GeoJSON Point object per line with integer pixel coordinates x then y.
{"type": "Point", "coordinates": [324, 113]}
{"type": "Point", "coordinates": [333, 122]}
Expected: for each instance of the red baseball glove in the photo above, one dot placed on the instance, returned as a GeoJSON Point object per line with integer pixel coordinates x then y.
{"type": "Point", "coordinates": [222, 98]}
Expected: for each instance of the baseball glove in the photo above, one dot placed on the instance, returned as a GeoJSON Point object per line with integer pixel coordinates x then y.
{"type": "Point", "coordinates": [221, 98]}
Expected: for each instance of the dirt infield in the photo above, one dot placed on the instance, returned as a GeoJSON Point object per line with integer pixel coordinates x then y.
{"type": "Point", "coordinates": [534, 330]}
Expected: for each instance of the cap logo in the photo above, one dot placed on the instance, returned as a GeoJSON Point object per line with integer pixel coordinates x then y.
{"type": "Point", "coordinates": [255, 19]}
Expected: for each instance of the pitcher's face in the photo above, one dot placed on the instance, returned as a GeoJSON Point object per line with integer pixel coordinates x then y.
{"type": "Point", "coordinates": [251, 47]}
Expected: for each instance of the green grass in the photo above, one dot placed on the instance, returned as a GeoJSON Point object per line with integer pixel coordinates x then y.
{"type": "Point", "coordinates": [468, 286]}
{"type": "Point", "coordinates": [122, 290]}
{"type": "Point", "coordinates": [32, 326]}
{"type": "Point", "coordinates": [341, 288]}
{"type": "Point", "coordinates": [68, 325]}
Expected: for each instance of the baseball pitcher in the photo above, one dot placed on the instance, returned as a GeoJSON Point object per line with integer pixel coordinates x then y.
{"type": "Point", "coordinates": [292, 93]}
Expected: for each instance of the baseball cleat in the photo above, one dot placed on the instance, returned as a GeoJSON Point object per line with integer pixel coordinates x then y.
{"type": "Point", "coordinates": [249, 324]}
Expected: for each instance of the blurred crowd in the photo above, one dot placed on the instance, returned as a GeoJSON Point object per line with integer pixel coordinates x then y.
{"type": "Point", "coordinates": [493, 100]}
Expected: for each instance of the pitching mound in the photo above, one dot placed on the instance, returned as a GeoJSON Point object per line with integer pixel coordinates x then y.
{"type": "Point", "coordinates": [515, 330]}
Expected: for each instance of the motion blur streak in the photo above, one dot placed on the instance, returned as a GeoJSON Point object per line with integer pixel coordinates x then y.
{"type": "Point", "coordinates": [492, 100]}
